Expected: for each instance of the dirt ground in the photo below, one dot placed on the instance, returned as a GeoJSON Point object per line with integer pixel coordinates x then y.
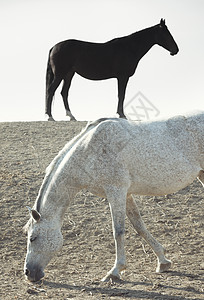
{"type": "Point", "coordinates": [88, 252]}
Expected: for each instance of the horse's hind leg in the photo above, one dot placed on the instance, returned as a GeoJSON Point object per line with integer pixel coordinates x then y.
{"type": "Point", "coordinates": [136, 220]}
{"type": "Point", "coordinates": [50, 93]}
{"type": "Point", "coordinates": [64, 93]}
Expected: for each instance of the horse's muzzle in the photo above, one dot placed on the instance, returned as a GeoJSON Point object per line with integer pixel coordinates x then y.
{"type": "Point", "coordinates": [33, 273]}
{"type": "Point", "coordinates": [174, 52]}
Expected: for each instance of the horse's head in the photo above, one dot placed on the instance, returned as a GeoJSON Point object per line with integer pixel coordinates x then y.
{"type": "Point", "coordinates": [165, 39]}
{"type": "Point", "coordinates": [44, 240]}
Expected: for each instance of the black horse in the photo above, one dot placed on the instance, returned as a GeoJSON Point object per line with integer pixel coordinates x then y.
{"type": "Point", "coordinates": [117, 58]}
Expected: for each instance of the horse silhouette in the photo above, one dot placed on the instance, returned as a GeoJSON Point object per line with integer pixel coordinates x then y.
{"type": "Point", "coordinates": [117, 58]}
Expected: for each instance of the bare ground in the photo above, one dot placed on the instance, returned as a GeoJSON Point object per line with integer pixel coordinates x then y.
{"type": "Point", "coordinates": [88, 251]}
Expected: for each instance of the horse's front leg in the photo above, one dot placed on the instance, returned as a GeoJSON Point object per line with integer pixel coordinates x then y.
{"type": "Point", "coordinates": [122, 84]}
{"type": "Point", "coordinates": [117, 203]}
{"type": "Point", "coordinates": [136, 220]}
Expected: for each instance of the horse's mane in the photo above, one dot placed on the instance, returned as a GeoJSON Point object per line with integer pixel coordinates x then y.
{"type": "Point", "coordinates": [60, 156]}
{"type": "Point", "coordinates": [141, 32]}
{"type": "Point", "coordinates": [134, 34]}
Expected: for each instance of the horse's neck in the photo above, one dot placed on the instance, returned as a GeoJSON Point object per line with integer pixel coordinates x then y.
{"type": "Point", "coordinates": [55, 196]}
{"type": "Point", "coordinates": [142, 41]}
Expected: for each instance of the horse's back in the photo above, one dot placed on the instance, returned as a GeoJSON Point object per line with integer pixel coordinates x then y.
{"type": "Point", "coordinates": [146, 157]}
{"type": "Point", "coordinates": [148, 154]}
{"type": "Point", "coordinates": [151, 132]}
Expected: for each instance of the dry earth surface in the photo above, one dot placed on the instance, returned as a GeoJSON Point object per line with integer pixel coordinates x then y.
{"type": "Point", "coordinates": [88, 251]}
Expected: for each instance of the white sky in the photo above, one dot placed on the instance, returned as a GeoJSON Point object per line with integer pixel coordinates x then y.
{"type": "Point", "coordinates": [29, 28]}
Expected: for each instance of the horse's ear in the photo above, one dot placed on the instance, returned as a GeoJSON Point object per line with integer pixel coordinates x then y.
{"type": "Point", "coordinates": [34, 214]}
{"type": "Point", "coordinates": [162, 22]}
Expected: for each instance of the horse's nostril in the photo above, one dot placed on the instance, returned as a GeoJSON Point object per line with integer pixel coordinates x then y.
{"type": "Point", "coordinates": [27, 272]}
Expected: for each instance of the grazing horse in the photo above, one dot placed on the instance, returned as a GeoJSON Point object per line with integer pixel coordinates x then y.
{"type": "Point", "coordinates": [115, 158]}
{"type": "Point", "coordinates": [117, 58]}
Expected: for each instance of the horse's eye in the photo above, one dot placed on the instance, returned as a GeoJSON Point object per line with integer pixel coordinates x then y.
{"type": "Point", "coordinates": [32, 239]}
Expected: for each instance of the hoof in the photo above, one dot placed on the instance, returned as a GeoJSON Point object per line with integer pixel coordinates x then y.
{"type": "Point", "coordinates": [111, 277]}
{"type": "Point", "coordinates": [69, 114]}
{"type": "Point", "coordinates": [163, 267]}
{"type": "Point", "coordinates": [123, 117]}
{"type": "Point", "coordinates": [72, 119]}
{"type": "Point", "coordinates": [114, 274]}
{"type": "Point", "coordinates": [50, 119]}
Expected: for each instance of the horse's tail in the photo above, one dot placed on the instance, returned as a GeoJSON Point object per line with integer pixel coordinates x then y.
{"type": "Point", "coordinates": [49, 79]}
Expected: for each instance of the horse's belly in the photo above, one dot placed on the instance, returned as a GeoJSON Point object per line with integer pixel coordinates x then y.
{"type": "Point", "coordinates": [156, 190]}
{"type": "Point", "coordinates": [95, 68]}
{"type": "Point", "coordinates": [94, 74]}
{"type": "Point", "coordinates": [163, 183]}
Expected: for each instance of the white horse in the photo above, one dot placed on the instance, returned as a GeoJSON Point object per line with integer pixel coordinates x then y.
{"type": "Point", "coordinates": [115, 158]}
